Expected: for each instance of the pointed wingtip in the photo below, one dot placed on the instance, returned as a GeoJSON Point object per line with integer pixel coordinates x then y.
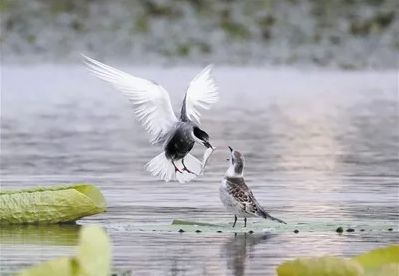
{"type": "Point", "coordinates": [87, 60]}
{"type": "Point", "coordinates": [84, 57]}
{"type": "Point", "coordinates": [209, 68]}
{"type": "Point", "coordinates": [279, 220]}
{"type": "Point", "coordinates": [90, 64]}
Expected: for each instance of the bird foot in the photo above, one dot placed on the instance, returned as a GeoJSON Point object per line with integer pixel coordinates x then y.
{"type": "Point", "coordinates": [187, 170]}
{"type": "Point", "coordinates": [178, 170]}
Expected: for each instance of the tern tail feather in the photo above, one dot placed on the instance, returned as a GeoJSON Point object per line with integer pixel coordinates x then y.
{"type": "Point", "coordinates": [162, 167]}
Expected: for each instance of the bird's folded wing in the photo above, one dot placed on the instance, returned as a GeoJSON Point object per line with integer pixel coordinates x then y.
{"type": "Point", "coordinates": [151, 101]}
{"type": "Point", "coordinates": [201, 93]}
{"type": "Point", "coordinates": [243, 195]}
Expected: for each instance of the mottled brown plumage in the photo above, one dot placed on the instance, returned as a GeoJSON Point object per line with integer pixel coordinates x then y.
{"type": "Point", "coordinates": [236, 195]}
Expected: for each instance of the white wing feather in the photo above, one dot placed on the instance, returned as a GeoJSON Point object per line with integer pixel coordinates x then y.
{"type": "Point", "coordinates": [151, 102]}
{"type": "Point", "coordinates": [201, 93]}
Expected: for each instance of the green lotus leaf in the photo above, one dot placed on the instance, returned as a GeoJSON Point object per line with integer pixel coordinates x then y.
{"type": "Point", "coordinates": [94, 252]}
{"type": "Point", "coordinates": [381, 261]}
{"type": "Point", "coordinates": [51, 204]}
{"type": "Point", "coordinates": [388, 269]}
{"type": "Point", "coordinates": [59, 267]}
{"type": "Point", "coordinates": [93, 257]}
{"type": "Point", "coordinates": [323, 266]}
{"type": "Point", "coordinates": [378, 257]}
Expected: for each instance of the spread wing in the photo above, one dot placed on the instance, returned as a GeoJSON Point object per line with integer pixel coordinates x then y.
{"type": "Point", "coordinates": [150, 101]}
{"type": "Point", "coordinates": [201, 93]}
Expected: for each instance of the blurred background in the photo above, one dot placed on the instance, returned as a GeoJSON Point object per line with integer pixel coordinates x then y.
{"type": "Point", "coordinates": [340, 33]}
{"type": "Point", "coordinates": [308, 93]}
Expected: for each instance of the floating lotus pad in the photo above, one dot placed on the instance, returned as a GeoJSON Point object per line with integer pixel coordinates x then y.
{"type": "Point", "coordinates": [273, 227]}
{"type": "Point", "coordinates": [323, 266]}
{"type": "Point", "coordinates": [382, 261]}
{"type": "Point", "coordinates": [379, 256]}
{"type": "Point", "coordinates": [193, 223]}
{"type": "Point", "coordinates": [51, 204]}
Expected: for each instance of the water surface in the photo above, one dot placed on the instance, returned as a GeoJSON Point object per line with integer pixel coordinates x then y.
{"type": "Point", "coordinates": [321, 148]}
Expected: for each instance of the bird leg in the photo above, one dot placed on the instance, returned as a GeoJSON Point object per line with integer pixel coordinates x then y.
{"type": "Point", "coordinates": [176, 168]}
{"type": "Point", "coordinates": [185, 168]}
{"type": "Point", "coordinates": [245, 222]}
{"type": "Point", "coordinates": [235, 220]}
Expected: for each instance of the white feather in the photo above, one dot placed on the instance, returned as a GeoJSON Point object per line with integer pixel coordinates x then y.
{"type": "Point", "coordinates": [151, 102]}
{"type": "Point", "coordinates": [163, 168]}
{"type": "Point", "coordinates": [201, 93]}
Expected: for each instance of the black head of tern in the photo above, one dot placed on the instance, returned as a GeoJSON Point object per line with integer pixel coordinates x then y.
{"type": "Point", "coordinates": [236, 195]}
{"type": "Point", "coordinates": [153, 108]}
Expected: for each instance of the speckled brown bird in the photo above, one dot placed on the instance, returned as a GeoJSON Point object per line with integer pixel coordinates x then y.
{"type": "Point", "coordinates": [236, 195]}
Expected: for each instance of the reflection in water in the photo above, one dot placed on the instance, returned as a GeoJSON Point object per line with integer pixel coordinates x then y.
{"type": "Point", "coordinates": [52, 234]}
{"type": "Point", "coordinates": [236, 250]}
{"type": "Point", "coordinates": [25, 245]}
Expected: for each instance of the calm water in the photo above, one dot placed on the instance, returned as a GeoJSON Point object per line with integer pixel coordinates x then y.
{"type": "Point", "coordinates": [321, 148]}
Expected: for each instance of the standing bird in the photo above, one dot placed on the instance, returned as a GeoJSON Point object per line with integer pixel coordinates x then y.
{"type": "Point", "coordinates": [152, 106]}
{"type": "Point", "coordinates": [236, 195]}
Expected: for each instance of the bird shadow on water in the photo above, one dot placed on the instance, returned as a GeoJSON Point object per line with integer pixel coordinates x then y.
{"type": "Point", "coordinates": [237, 249]}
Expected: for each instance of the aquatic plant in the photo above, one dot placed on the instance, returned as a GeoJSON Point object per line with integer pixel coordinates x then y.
{"type": "Point", "coordinates": [50, 204]}
{"type": "Point", "coordinates": [381, 261]}
{"type": "Point", "coordinates": [93, 257]}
